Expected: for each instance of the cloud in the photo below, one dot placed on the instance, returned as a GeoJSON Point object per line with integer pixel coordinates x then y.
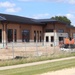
{"type": "Point", "coordinates": [72, 1]}
{"type": "Point", "coordinates": [41, 0]}
{"type": "Point", "coordinates": [41, 16]}
{"type": "Point", "coordinates": [64, 1]}
{"type": "Point", "coordinates": [13, 9]}
{"type": "Point", "coordinates": [26, 0]}
{"type": "Point", "coordinates": [70, 16]}
{"type": "Point", "coordinates": [9, 6]}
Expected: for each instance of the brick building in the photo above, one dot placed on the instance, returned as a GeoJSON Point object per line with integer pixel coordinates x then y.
{"type": "Point", "coordinates": [22, 29]}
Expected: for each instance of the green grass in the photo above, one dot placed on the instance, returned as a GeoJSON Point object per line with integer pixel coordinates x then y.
{"type": "Point", "coordinates": [42, 68]}
{"type": "Point", "coordinates": [34, 59]}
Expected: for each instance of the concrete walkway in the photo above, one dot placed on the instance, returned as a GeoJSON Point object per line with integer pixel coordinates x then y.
{"type": "Point", "coordinates": [35, 63]}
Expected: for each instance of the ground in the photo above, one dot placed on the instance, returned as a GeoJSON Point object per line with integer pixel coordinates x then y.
{"type": "Point", "coordinates": [27, 51]}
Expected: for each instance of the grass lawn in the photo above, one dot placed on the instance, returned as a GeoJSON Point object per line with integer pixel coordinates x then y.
{"type": "Point", "coordinates": [38, 69]}
{"type": "Point", "coordinates": [34, 59]}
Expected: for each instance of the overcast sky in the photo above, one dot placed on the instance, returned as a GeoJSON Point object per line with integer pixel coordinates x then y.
{"type": "Point", "coordinates": [39, 9]}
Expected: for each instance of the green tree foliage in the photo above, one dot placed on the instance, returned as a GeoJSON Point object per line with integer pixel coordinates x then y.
{"type": "Point", "coordinates": [62, 19]}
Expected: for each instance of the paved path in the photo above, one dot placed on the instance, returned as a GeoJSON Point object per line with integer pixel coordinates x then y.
{"type": "Point", "coordinates": [35, 63]}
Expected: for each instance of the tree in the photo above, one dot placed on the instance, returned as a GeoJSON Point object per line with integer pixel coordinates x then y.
{"type": "Point", "coordinates": [62, 19]}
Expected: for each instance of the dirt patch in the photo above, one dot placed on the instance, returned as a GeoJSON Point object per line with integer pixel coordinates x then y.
{"type": "Point", "coordinates": [27, 52]}
{"type": "Point", "coordinates": [62, 72]}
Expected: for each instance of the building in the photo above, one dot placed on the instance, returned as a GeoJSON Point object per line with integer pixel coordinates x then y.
{"type": "Point", "coordinates": [22, 29]}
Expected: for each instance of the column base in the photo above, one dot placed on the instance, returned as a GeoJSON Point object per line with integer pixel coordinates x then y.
{"type": "Point", "coordinates": [31, 40]}
{"type": "Point", "coordinates": [3, 44]}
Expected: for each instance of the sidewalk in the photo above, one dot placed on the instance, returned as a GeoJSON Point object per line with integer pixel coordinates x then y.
{"type": "Point", "coordinates": [34, 63]}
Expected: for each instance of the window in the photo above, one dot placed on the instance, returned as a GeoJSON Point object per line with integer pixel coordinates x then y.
{"type": "Point", "coordinates": [38, 36]}
{"type": "Point", "coordinates": [47, 39]}
{"type": "Point", "coordinates": [34, 36]}
{"type": "Point", "coordinates": [52, 38]}
{"type": "Point", "coordinates": [60, 30]}
{"type": "Point", "coordinates": [60, 38]}
{"type": "Point", "coordinates": [15, 35]}
{"type": "Point", "coordinates": [25, 35]}
{"type": "Point", "coordinates": [49, 30]}
{"type": "Point", "coordinates": [10, 35]}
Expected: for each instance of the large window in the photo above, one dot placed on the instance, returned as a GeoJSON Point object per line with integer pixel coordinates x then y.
{"type": "Point", "coordinates": [60, 30]}
{"type": "Point", "coordinates": [10, 35]}
{"type": "Point", "coordinates": [49, 30]}
{"type": "Point", "coordinates": [25, 36]}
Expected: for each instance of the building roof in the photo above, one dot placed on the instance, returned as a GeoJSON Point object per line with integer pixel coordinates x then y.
{"type": "Point", "coordinates": [45, 20]}
{"type": "Point", "coordinates": [70, 26]}
{"type": "Point", "coordinates": [49, 21]}
{"type": "Point", "coordinates": [18, 19]}
{"type": "Point", "coordinates": [25, 20]}
{"type": "Point", "coordinates": [2, 18]}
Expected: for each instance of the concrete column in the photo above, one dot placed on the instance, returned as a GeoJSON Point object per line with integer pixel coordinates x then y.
{"type": "Point", "coordinates": [55, 38]}
{"type": "Point", "coordinates": [19, 33]}
{"type": "Point", "coordinates": [4, 35]}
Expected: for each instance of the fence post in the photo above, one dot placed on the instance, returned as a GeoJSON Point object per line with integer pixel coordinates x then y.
{"type": "Point", "coordinates": [13, 49]}
{"type": "Point", "coordinates": [25, 49]}
{"type": "Point", "coordinates": [36, 48]}
{"type": "Point", "coordinates": [46, 48]}
{"type": "Point", "coordinates": [54, 41]}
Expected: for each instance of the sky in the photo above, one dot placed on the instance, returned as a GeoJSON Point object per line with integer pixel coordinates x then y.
{"type": "Point", "coordinates": [39, 9]}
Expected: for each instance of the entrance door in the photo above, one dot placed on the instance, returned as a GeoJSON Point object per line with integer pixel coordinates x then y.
{"type": "Point", "coordinates": [60, 38]}
{"type": "Point", "coordinates": [25, 35]}
{"type": "Point", "coordinates": [0, 35]}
